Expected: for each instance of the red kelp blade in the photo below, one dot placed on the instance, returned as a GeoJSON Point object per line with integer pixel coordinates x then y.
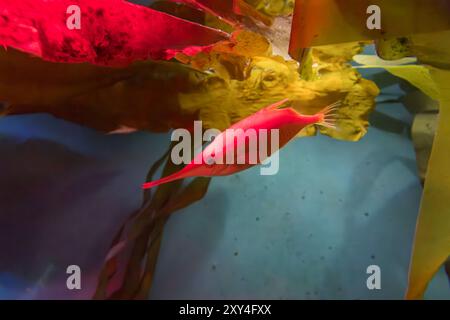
{"type": "Point", "coordinates": [111, 32]}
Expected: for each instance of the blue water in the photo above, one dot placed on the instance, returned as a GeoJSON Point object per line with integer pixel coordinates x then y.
{"type": "Point", "coordinates": [308, 232]}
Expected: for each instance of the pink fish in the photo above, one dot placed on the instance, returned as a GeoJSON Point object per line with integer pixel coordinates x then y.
{"type": "Point", "coordinates": [233, 151]}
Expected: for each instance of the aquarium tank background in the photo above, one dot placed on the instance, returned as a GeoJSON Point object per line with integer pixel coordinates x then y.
{"type": "Point", "coordinates": [93, 92]}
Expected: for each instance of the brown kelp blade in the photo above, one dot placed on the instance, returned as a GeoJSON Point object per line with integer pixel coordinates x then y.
{"type": "Point", "coordinates": [129, 267]}
{"type": "Point", "coordinates": [322, 22]}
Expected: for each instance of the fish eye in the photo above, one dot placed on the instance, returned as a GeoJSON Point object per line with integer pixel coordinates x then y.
{"type": "Point", "coordinates": [210, 160]}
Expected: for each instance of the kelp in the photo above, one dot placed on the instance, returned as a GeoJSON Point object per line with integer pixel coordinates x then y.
{"type": "Point", "coordinates": [447, 268]}
{"type": "Point", "coordinates": [423, 130]}
{"type": "Point", "coordinates": [251, 77]}
{"type": "Point", "coordinates": [130, 265]}
{"type": "Point", "coordinates": [373, 60]}
{"type": "Point", "coordinates": [424, 33]}
{"type": "Point", "coordinates": [231, 80]}
{"type": "Point", "coordinates": [417, 75]}
{"type": "Point", "coordinates": [111, 32]}
{"type": "Point", "coordinates": [432, 239]}
{"type": "Point", "coordinates": [328, 68]}
{"type": "Point", "coordinates": [393, 48]}
{"type": "Point", "coordinates": [142, 96]}
{"type": "Point", "coordinates": [168, 95]}
{"type": "Point", "coordinates": [322, 22]}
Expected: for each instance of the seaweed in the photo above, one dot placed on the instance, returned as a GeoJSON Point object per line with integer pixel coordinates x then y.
{"type": "Point", "coordinates": [221, 82]}
{"type": "Point", "coordinates": [432, 239]}
{"type": "Point", "coordinates": [138, 241]}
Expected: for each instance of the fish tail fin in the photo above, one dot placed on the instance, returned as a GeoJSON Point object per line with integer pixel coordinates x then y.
{"type": "Point", "coordinates": [175, 176]}
{"type": "Point", "coordinates": [328, 115]}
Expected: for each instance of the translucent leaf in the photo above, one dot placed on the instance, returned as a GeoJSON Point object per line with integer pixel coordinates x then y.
{"type": "Point", "coordinates": [330, 75]}
{"type": "Point", "coordinates": [419, 76]}
{"type": "Point", "coordinates": [372, 60]}
{"type": "Point", "coordinates": [432, 239]}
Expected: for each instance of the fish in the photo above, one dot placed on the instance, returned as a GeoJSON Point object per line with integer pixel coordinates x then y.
{"type": "Point", "coordinates": [231, 143]}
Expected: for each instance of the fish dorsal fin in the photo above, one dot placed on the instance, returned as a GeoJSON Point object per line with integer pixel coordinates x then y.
{"type": "Point", "coordinates": [275, 105]}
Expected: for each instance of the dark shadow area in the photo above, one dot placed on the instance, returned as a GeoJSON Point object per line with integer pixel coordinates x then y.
{"type": "Point", "coordinates": [52, 212]}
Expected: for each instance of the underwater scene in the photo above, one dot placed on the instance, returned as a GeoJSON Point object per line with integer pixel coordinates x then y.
{"type": "Point", "coordinates": [232, 149]}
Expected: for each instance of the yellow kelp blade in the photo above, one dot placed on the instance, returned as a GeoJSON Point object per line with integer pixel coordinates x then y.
{"type": "Point", "coordinates": [417, 75]}
{"type": "Point", "coordinates": [273, 8]}
{"type": "Point", "coordinates": [432, 240]}
{"type": "Point", "coordinates": [373, 60]}
{"type": "Point", "coordinates": [322, 22]}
